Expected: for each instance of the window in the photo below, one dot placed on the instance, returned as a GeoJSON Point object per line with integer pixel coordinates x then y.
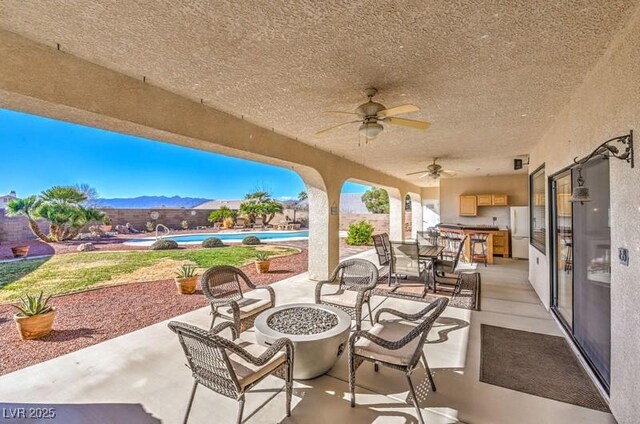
{"type": "Point", "coordinates": [537, 202]}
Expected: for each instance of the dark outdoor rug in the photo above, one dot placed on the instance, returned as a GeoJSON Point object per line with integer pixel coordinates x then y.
{"type": "Point", "coordinates": [538, 364]}
{"type": "Point", "coordinates": [468, 298]}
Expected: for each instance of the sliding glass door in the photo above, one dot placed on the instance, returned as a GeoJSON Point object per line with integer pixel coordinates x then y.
{"type": "Point", "coordinates": [562, 225]}
{"type": "Point", "coordinates": [582, 263]}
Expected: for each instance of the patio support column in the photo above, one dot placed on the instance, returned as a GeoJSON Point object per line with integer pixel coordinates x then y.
{"type": "Point", "coordinates": [324, 241]}
{"type": "Point", "coordinates": [416, 214]}
{"type": "Point", "coordinates": [396, 214]}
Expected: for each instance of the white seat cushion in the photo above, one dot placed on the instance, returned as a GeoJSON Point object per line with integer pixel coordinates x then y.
{"type": "Point", "coordinates": [248, 373]}
{"type": "Point", "coordinates": [392, 331]}
{"type": "Point", "coordinates": [248, 306]}
{"type": "Point", "coordinates": [346, 298]}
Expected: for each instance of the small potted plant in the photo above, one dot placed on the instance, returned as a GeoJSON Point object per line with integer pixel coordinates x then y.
{"type": "Point", "coordinates": [184, 224]}
{"type": "Point", "coordinates": [262, 262]}
{"type": "Point", "coordinates": [35, 318]}
{"type": "Point", "coordinates": [106, 224]}
{"type": "Point", "coordinates": [186, 279]}
{"type": "Point", "coordinates": [20, 251]}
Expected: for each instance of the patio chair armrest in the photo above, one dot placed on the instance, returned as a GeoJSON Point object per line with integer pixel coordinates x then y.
{"type": "Point", "coordinates": [232, 304]}
{"type": "Point", "coordinates": [224, 325]}
{"type": "Point", "coordinates": [318, 291]}
{"type": "Point", "coordinates": [404, 315]}
{"type": "Point", "coordinates": [387, 344]}
{"type": "Point", "coordinates": [272, 293]}
{"type": "Point", "coordinates": [266, 356]}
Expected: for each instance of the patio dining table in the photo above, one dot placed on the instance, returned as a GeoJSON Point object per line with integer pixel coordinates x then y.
{"type": "Point", "coordinates": [430, 252]}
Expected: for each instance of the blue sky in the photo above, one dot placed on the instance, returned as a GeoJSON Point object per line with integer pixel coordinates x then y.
{"type": "Point", "coordinates": [38, 153]}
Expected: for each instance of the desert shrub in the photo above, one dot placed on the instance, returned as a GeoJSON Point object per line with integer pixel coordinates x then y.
{"type": "Point", "coordinates": [251, 240]}
{"type": "Point", "coordinates": [184, 224]}
{"type": "Point", "coordinates": [228, 223]}
{"type": "Point", "coordinates": [360, 233]}
{"type": "Point", "coordinates": [212, 242]}
{"type": "Point", "coordinates": [164, 245]}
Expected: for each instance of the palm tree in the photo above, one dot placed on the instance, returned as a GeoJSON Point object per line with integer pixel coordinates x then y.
{"type": "Point", "coordinates": [28, 208]}
{"type": "Point", "coordinates": [260, 204]}
{"type": "Point", "coordinates": [62, 207]}
{"type": "Point", "coordinates": [302, 196]}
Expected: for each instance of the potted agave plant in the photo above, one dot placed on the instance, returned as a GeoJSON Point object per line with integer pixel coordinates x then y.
{"type": "Point", "coordinates": [35, 318]}
{"type": "Point", "coordinates": [20, 251]}
{"type": "Point", "coordinates": [186, 279]}
{"type": "Point", "coordinates": [262, 262]}
{"type": "Point", "coordinates": [106, 224]}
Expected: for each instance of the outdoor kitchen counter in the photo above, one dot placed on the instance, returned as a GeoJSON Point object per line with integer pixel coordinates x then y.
{"type": "Point", "coordinates": [470, 230]}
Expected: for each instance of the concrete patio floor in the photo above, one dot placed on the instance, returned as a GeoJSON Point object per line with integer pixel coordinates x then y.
{"type": "Point", "coordinates": [146, 369]}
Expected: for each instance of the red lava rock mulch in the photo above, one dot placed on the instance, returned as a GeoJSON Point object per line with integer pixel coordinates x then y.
{"type": "Point", "coordinates": [91, 317]}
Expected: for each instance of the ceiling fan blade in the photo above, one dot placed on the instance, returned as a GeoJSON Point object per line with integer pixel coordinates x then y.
{"type": "Point", "coordinates": [336, 126]}
{"type": "Point", "coordinates": [416, 173]}
{"type": "Point", "coordinates": [426, 174]}
{"type": "Point", "coordinates": [398, 110]}
{"type": "Point", "coordinates": [448, 173]}
{"type": "Point", "coordinates": [421, 125]}
{"type": "Point", "coordinates": [341, 112]}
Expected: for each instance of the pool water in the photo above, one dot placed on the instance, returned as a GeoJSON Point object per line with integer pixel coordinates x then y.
{"type": "Point", "coordinates": [235, 237]}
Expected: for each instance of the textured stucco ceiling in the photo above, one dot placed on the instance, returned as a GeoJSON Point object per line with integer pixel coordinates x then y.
{"type": "Point", "coordinates": [489, 75]}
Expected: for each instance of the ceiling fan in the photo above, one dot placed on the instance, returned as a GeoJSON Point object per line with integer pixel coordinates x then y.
{"type": "Point", "coordinates": [371, 114]}
{"type": "Point", "coordinates": [434, 171]}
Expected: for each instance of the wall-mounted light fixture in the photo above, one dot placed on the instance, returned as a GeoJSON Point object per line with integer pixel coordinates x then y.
{"type": "Point", "coordinates": [606, 150]}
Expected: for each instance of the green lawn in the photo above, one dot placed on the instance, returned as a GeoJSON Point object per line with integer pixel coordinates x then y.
{"type": "Point", "coordinates": [74, 272]}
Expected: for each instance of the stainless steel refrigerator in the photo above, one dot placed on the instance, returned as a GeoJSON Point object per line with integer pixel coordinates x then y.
{"type": "Point", "coordinates": [520, 232]}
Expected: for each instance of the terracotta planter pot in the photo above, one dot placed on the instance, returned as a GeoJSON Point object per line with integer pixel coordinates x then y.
{"type": "Point", "coordinates": [263, 266]}
{"type": "Point", "coordinates": [186, 285]}
{"type": "Point", "coordinates": [106, 228]}
{"type": "Point", "coordinates": [35, 327]}
{"type": "Point", "coordinates": [20, 251]}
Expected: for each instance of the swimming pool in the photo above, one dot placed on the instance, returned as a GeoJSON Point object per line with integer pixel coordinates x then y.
{"type": "Point", "coordinates": [231, 237]}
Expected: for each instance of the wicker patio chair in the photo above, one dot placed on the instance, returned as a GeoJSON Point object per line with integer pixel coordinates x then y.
{"type": "Point", "coordinates": [356, 278]}
{"type": "Point", "coordinates": [396, 345]}
{"type": "Point", "coordinates": [222, 287]}
{"type": "Point", "coordinates": [443, 266]}
{"type": "Point", "coordinates": [232, 367]}
{"type": "Point", "coordinates": [406, 263]}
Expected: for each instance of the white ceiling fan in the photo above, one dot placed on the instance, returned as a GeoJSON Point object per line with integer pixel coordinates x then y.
{"type": "Point", "coordinates": [371, 114]}
{"type": "Point", "coordinates": [434, 171]}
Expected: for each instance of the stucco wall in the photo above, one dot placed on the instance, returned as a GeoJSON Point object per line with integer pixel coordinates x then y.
{"type": "Point", "coordinates": [606, 105]}
{"type": "Point", "coordinates": [515, 186]}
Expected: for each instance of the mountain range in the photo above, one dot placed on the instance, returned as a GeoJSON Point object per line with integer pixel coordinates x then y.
{"type": "Point", "coordinates": [144, 202]}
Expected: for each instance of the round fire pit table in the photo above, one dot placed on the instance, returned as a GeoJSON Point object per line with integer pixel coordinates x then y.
{"type": "Point", "coordinates": [319, 334]}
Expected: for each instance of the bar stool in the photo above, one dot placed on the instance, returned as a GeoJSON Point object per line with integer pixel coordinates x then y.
{"type": "Point", "coordinates": [481, 239]}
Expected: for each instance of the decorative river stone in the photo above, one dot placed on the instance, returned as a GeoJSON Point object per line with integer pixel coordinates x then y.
{"type": "Point", "coordinates": [302, 321]}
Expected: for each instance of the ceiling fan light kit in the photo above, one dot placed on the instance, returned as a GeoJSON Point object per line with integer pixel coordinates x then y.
{"type": "Point", "coordinates": [370, 130]}
{"type": "Point", "coordinates": [371, 115]}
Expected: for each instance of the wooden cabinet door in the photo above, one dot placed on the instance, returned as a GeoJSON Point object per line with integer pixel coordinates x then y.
{"type": "Point", "coordinates": [485, 199]}
{"type": "Point", "coordinates": [499, 200]}
{"type": "Point", "coordinates": [468, 206]}
{"type": "Point", "coordinates": [501, 243]}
